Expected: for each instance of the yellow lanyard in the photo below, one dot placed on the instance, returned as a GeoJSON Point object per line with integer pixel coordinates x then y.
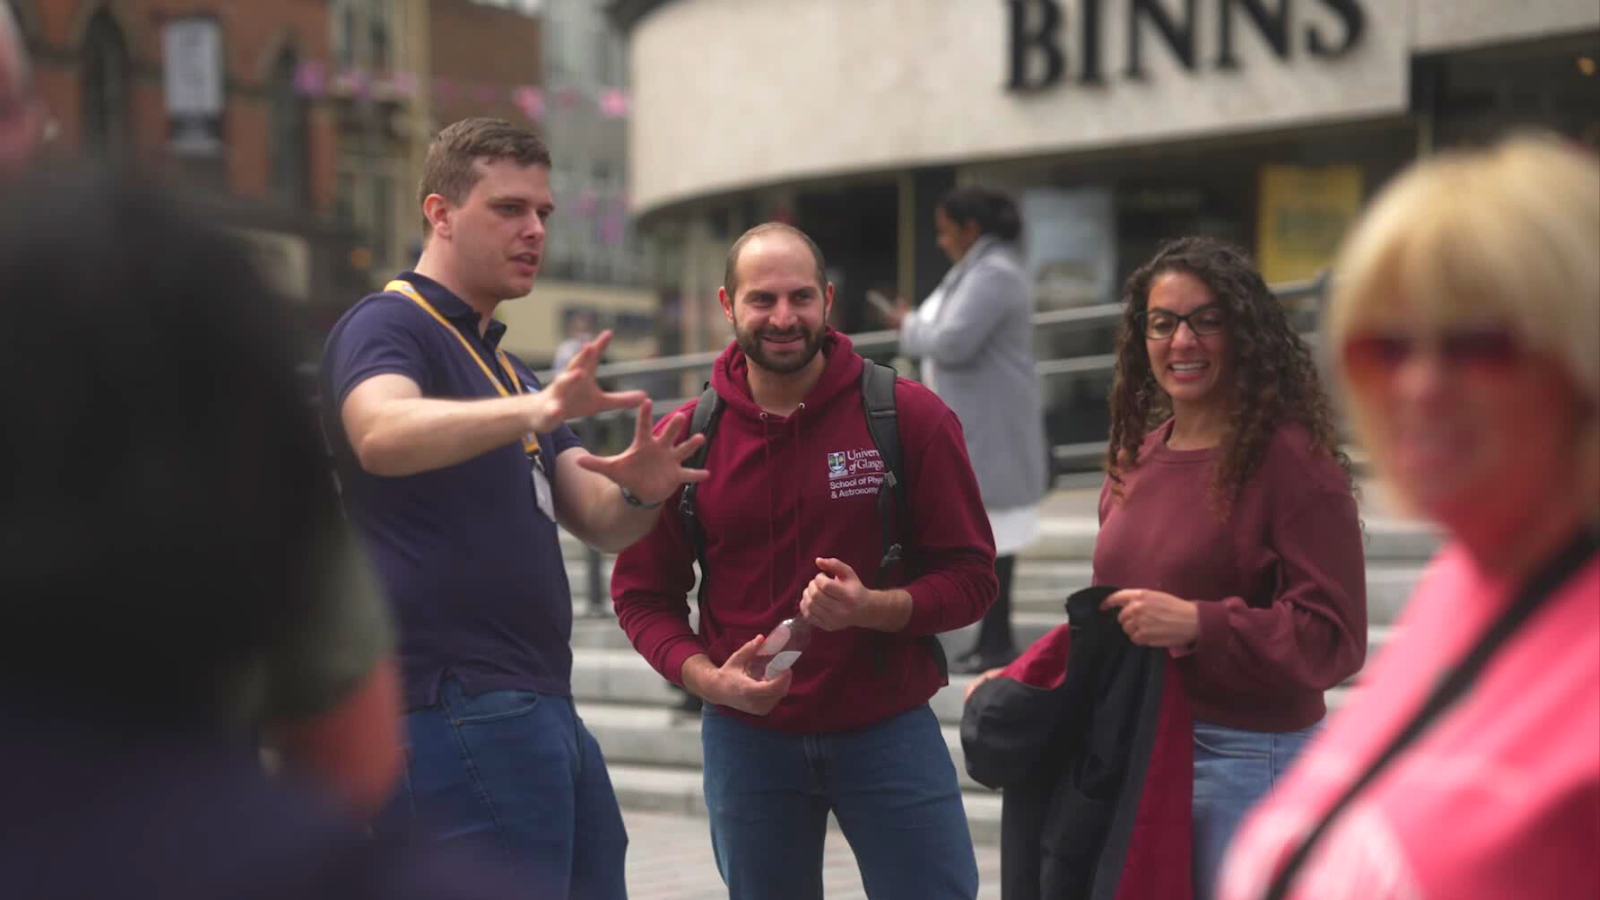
{"type": "Point", "coordinates": [530, 443]}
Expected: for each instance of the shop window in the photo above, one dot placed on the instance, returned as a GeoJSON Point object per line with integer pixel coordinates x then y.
{"type": "Point", "coordinates": [344, 200]}
{"type": "Point", "coordinates": [105, 88]}
{"type": "Point", "coordinates": [383, 224]}
{"type": "Point", "coordinates": [605, 58]}
{"type": "Point", "coordinates": [378, 35]}
{"type": "Point", "coordinates": [1478, 96]}
{"type": "Point", "coordinates": [289, 132]}
{"type": "Point", "coordinates": [343, 16]}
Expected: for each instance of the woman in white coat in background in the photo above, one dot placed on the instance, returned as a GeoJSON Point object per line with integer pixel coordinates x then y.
{"type": "Point", "coordinates": [974, 337]}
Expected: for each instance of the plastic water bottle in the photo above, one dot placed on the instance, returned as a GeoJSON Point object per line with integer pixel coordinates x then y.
{"type": "Point", "coordinates": [780, 650]}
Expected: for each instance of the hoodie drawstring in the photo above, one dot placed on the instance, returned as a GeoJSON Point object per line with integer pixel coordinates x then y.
{"type": "Point", "coordinates": [772, 502]}
{"type": "Point", "coordinates": [799, 500]}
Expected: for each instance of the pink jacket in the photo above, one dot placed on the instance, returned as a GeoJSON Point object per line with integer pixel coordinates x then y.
{"type": "Point", "coordinates": [1500, 800]}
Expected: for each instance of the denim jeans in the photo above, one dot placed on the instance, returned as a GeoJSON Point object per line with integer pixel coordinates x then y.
{"type": "Point", "coordinates": [891, 786]}
{"type": "Point", "coordinates": [516, 773]}
{"type": "Point", "coordinates": [1232, 770]}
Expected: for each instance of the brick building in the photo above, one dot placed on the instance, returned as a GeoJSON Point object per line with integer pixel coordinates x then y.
{"type": "Point", "coordinates": [101, 68]}
{"type": "Point", "coordinates": [458, 58]}
{"type": "Point", "coordinates": [496, 50]}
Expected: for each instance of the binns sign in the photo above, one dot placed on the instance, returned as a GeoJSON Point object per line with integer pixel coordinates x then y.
{"type": "Point", "coordinates": [1043, 43]}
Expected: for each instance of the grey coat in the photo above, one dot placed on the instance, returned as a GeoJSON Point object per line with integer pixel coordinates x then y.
{"type": "Point", "coordinates": [981, 345]}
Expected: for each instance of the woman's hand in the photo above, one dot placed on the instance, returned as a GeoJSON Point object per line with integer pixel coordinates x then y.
{"type": "Point", "coordinates": [895, 317]}
{"type": "Point", "coordinates": [991, 673]}
{"type": "Point", "coordinates": [1155, 619]}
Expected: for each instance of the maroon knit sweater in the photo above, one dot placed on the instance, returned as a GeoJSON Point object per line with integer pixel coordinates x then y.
{"type": "Point", "coordinates": [1280, 579]}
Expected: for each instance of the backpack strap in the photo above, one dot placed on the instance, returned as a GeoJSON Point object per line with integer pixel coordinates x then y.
{"type": "Point", "coordinates": [704, 421]}
{"type": "Point", "coordinates": [883, 424]}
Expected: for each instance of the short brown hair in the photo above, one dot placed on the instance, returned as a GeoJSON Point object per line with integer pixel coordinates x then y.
{"type": "Point", "coordinates": [448, 169]}
{"type": "Point", "coordinates": [730, 275]}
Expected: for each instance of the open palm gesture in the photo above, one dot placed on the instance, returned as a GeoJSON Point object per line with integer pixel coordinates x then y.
{"type": "Point", "coordinates": [652, 466]}
{"type": "Point", "coordinates": [576, 393]}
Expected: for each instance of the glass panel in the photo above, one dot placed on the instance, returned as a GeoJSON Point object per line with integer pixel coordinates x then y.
{"type": "Point", "coordinates": [105, 88]}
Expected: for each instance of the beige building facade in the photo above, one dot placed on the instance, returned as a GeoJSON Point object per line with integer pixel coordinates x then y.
{"type": "Point", "coordinates": [1145, 117]}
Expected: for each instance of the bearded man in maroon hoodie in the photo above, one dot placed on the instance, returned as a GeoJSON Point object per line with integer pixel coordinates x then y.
{"type": "Point", "coordinates": [791, 529]}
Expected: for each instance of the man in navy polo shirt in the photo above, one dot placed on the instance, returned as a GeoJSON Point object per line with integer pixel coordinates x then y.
{"type": "Point", "coordinates": [457, 468]}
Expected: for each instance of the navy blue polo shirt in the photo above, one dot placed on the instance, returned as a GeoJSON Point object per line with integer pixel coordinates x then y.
{"type": "Point", "coordinates": [472, 566]}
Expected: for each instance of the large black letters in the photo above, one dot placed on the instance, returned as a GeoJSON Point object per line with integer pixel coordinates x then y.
{"type": "Point", "coordinates": [1045, 39]}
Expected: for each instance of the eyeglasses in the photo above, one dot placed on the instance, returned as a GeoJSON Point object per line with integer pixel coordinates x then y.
{"type": "Point", "coordinates": [1376, 354]}
{"type": "Point", "coordinates": [1161, 325]}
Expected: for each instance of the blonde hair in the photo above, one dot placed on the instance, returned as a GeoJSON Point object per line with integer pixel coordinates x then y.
{"type": "Point", "coordinates": [1509, 235]}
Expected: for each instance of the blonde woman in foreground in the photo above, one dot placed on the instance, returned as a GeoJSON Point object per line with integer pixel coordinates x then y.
{"type": "Point", "coordinates": [1466, 326]}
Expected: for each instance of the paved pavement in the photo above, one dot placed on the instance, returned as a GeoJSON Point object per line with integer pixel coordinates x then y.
{"type": "Point", "coordinates": [669, 858]}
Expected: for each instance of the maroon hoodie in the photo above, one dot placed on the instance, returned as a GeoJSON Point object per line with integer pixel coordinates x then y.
{"type": "Point", "coordinates": [785, 491]}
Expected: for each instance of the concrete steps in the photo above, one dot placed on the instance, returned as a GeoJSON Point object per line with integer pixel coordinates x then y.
{"type": "Point", "coordinates": [1043, 584]}
{"type": "Point", "coordinates": [653, 749]}
{"type": "Point", "coordinates": [1037, 603]}
{"type": "Point", "coordinates": [1071, 540]}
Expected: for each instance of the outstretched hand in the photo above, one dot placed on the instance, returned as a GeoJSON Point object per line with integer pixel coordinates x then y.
{"type": "Point", "coordinates": [576, 393]}
{"type": "Point", "coordinates": [652, 466]}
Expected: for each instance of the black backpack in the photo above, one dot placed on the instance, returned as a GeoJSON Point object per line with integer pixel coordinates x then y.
{"type": "Point", "coordinates": [883, 424]}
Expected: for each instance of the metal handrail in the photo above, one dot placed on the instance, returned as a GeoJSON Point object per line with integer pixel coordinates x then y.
{"type": "Point", "coordinates": [877, 341]}
{"type": "Point", "coordinates": [884, 340]}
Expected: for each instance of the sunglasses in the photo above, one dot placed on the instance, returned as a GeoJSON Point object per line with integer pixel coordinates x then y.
{"type": "Point", "coordinates": [1381, 353]}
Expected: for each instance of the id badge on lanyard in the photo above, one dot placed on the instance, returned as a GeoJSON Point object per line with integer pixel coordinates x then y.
{"type": "Point", "coordinates": [542, 496]}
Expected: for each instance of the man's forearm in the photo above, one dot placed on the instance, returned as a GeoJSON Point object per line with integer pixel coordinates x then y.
{"type": "Point", "coordinates": [600, 517]}
{"type": "Point", "coordinates": [612, 523]}
{"type": "Point", "coordinates": [699, 676]}
{"type": "Point", "coordinates": [891, 609]}
{"type": "Point", "coordinates": [419, 434]}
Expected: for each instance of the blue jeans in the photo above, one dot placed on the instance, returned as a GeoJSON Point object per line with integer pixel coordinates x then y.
{"type": "Point", "coordinates": [1232, 770]}
{"type": "Point", "coordinates": [891, 786]}
{"type": "Point", "coordinates": [516, 773]}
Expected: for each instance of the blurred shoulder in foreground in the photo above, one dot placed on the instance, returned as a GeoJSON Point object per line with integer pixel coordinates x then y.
{"type": "Point", "coordinates": [167, 527]}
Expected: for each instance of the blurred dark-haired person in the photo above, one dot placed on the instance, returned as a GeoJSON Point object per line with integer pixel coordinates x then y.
{"type": "Point", "coordinates": [974, 336]}
{"type": "Point", "coordinates": [176, 577]}
{"type": "Point", "coordinates": [1465, 325]}
{"type": "Point", "coordinates": [1229, 519]}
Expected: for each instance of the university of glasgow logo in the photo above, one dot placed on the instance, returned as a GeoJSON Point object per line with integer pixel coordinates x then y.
{"type": "Point", "coordinates": [837, 466]}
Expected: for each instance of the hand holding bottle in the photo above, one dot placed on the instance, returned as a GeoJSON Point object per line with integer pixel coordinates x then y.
{"type": "Point", "coordinates": [729, 686]}
{"type": "Point", "coordinates": [782, 648]}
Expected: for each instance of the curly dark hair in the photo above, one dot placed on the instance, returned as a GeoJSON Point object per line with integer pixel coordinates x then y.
{"type": "Point", "coordinates": [1275, 378]}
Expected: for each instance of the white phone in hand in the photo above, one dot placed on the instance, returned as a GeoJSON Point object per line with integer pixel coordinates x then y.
{"type": "Point", "coordinates": [883, 304]}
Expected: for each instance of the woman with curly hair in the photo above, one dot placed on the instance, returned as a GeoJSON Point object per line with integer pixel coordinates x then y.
{"type": "Point", "coordinates": [1229, 521]}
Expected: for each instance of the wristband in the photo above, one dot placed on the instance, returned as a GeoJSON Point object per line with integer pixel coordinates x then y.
{"type": "Point", "coordinates": [632, 499]}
